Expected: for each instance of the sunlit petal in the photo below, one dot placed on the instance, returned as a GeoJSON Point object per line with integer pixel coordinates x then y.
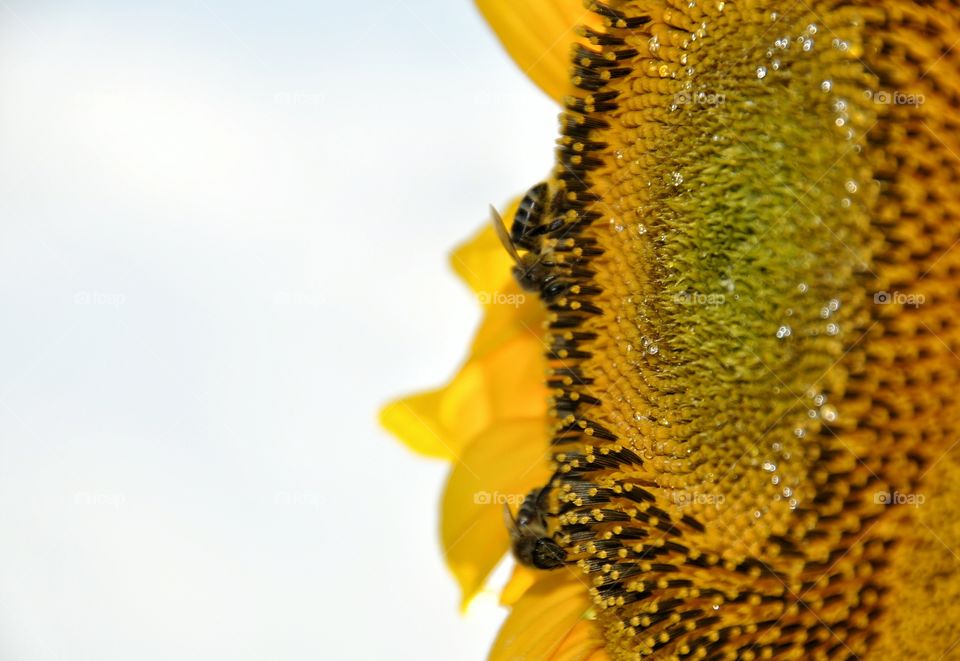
{"type": "Point", "coordinates": [538, 35]}
{"type": "Point", "coordinates": [497, 470]}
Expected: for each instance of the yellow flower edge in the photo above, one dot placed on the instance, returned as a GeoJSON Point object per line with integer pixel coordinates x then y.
{"type": "Point", "coordinates": [499, 392]}
{"type": "Point", "coordinates": [489, 420]}
{"type": "Point", "coordinates": [442, 422]}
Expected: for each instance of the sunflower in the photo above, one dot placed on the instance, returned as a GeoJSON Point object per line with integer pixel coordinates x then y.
{"type": "Point", "coordinates": [732, 395]}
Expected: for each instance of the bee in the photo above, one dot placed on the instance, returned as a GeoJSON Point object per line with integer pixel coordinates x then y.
{"type": "Point", "coordinates": [528, 534]}
{"type": "Point", "coordinates": [528, 221]}
{"type": "Point", "coordinates": [532, 270]}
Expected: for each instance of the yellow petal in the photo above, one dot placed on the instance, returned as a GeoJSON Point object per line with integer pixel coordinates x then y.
{"type": "Point", "coordinates": [549, 622]}
{"type": "Point", "coordinates": [490, 419]}
{"type": "Point", "coordinates": [486, 267]}
{"type": "Point", "coordinates": [503, 377]}
{"type": "Point", "coordinates": [538, 34]}
{"type": "Point", "coordinates": [482, 261]}
{"type": "Point", "coordinates": [500, 467]}
{"type": "Point", "coordinates": [502, 380]}
{"type": "Point", "coordinates": [584, 642]}
{"type": "Point", "coordinates": [517, 313]}
{"type": "Point", "coordinates": [425, 422]}
{"type": "Point", "coordinates": [520, 581]}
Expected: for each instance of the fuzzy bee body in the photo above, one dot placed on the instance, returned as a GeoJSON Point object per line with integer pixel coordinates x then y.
{"type": "Point", "coordinates": [533, 268]}
{"type": "Point", "coordinates": [531, 544]}
{"type": "Point", "coordinates": [528, 221]}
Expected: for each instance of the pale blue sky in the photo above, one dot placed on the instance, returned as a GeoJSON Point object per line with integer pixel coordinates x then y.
{"type": "Point", "coordinates": [224, 237]}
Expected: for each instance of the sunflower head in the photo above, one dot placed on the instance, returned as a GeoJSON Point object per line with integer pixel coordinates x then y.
{"type": "Point", "coordinates": [740, 334]}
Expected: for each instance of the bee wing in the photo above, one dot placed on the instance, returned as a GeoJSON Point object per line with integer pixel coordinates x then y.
{"type": "Point", "coordinates": [508, 519]}
{"type": "Point", "coordinates": [504, 235]}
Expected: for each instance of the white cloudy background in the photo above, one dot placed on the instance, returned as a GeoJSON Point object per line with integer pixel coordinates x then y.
{"type": "Point", "coordinates": [223, 238]}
